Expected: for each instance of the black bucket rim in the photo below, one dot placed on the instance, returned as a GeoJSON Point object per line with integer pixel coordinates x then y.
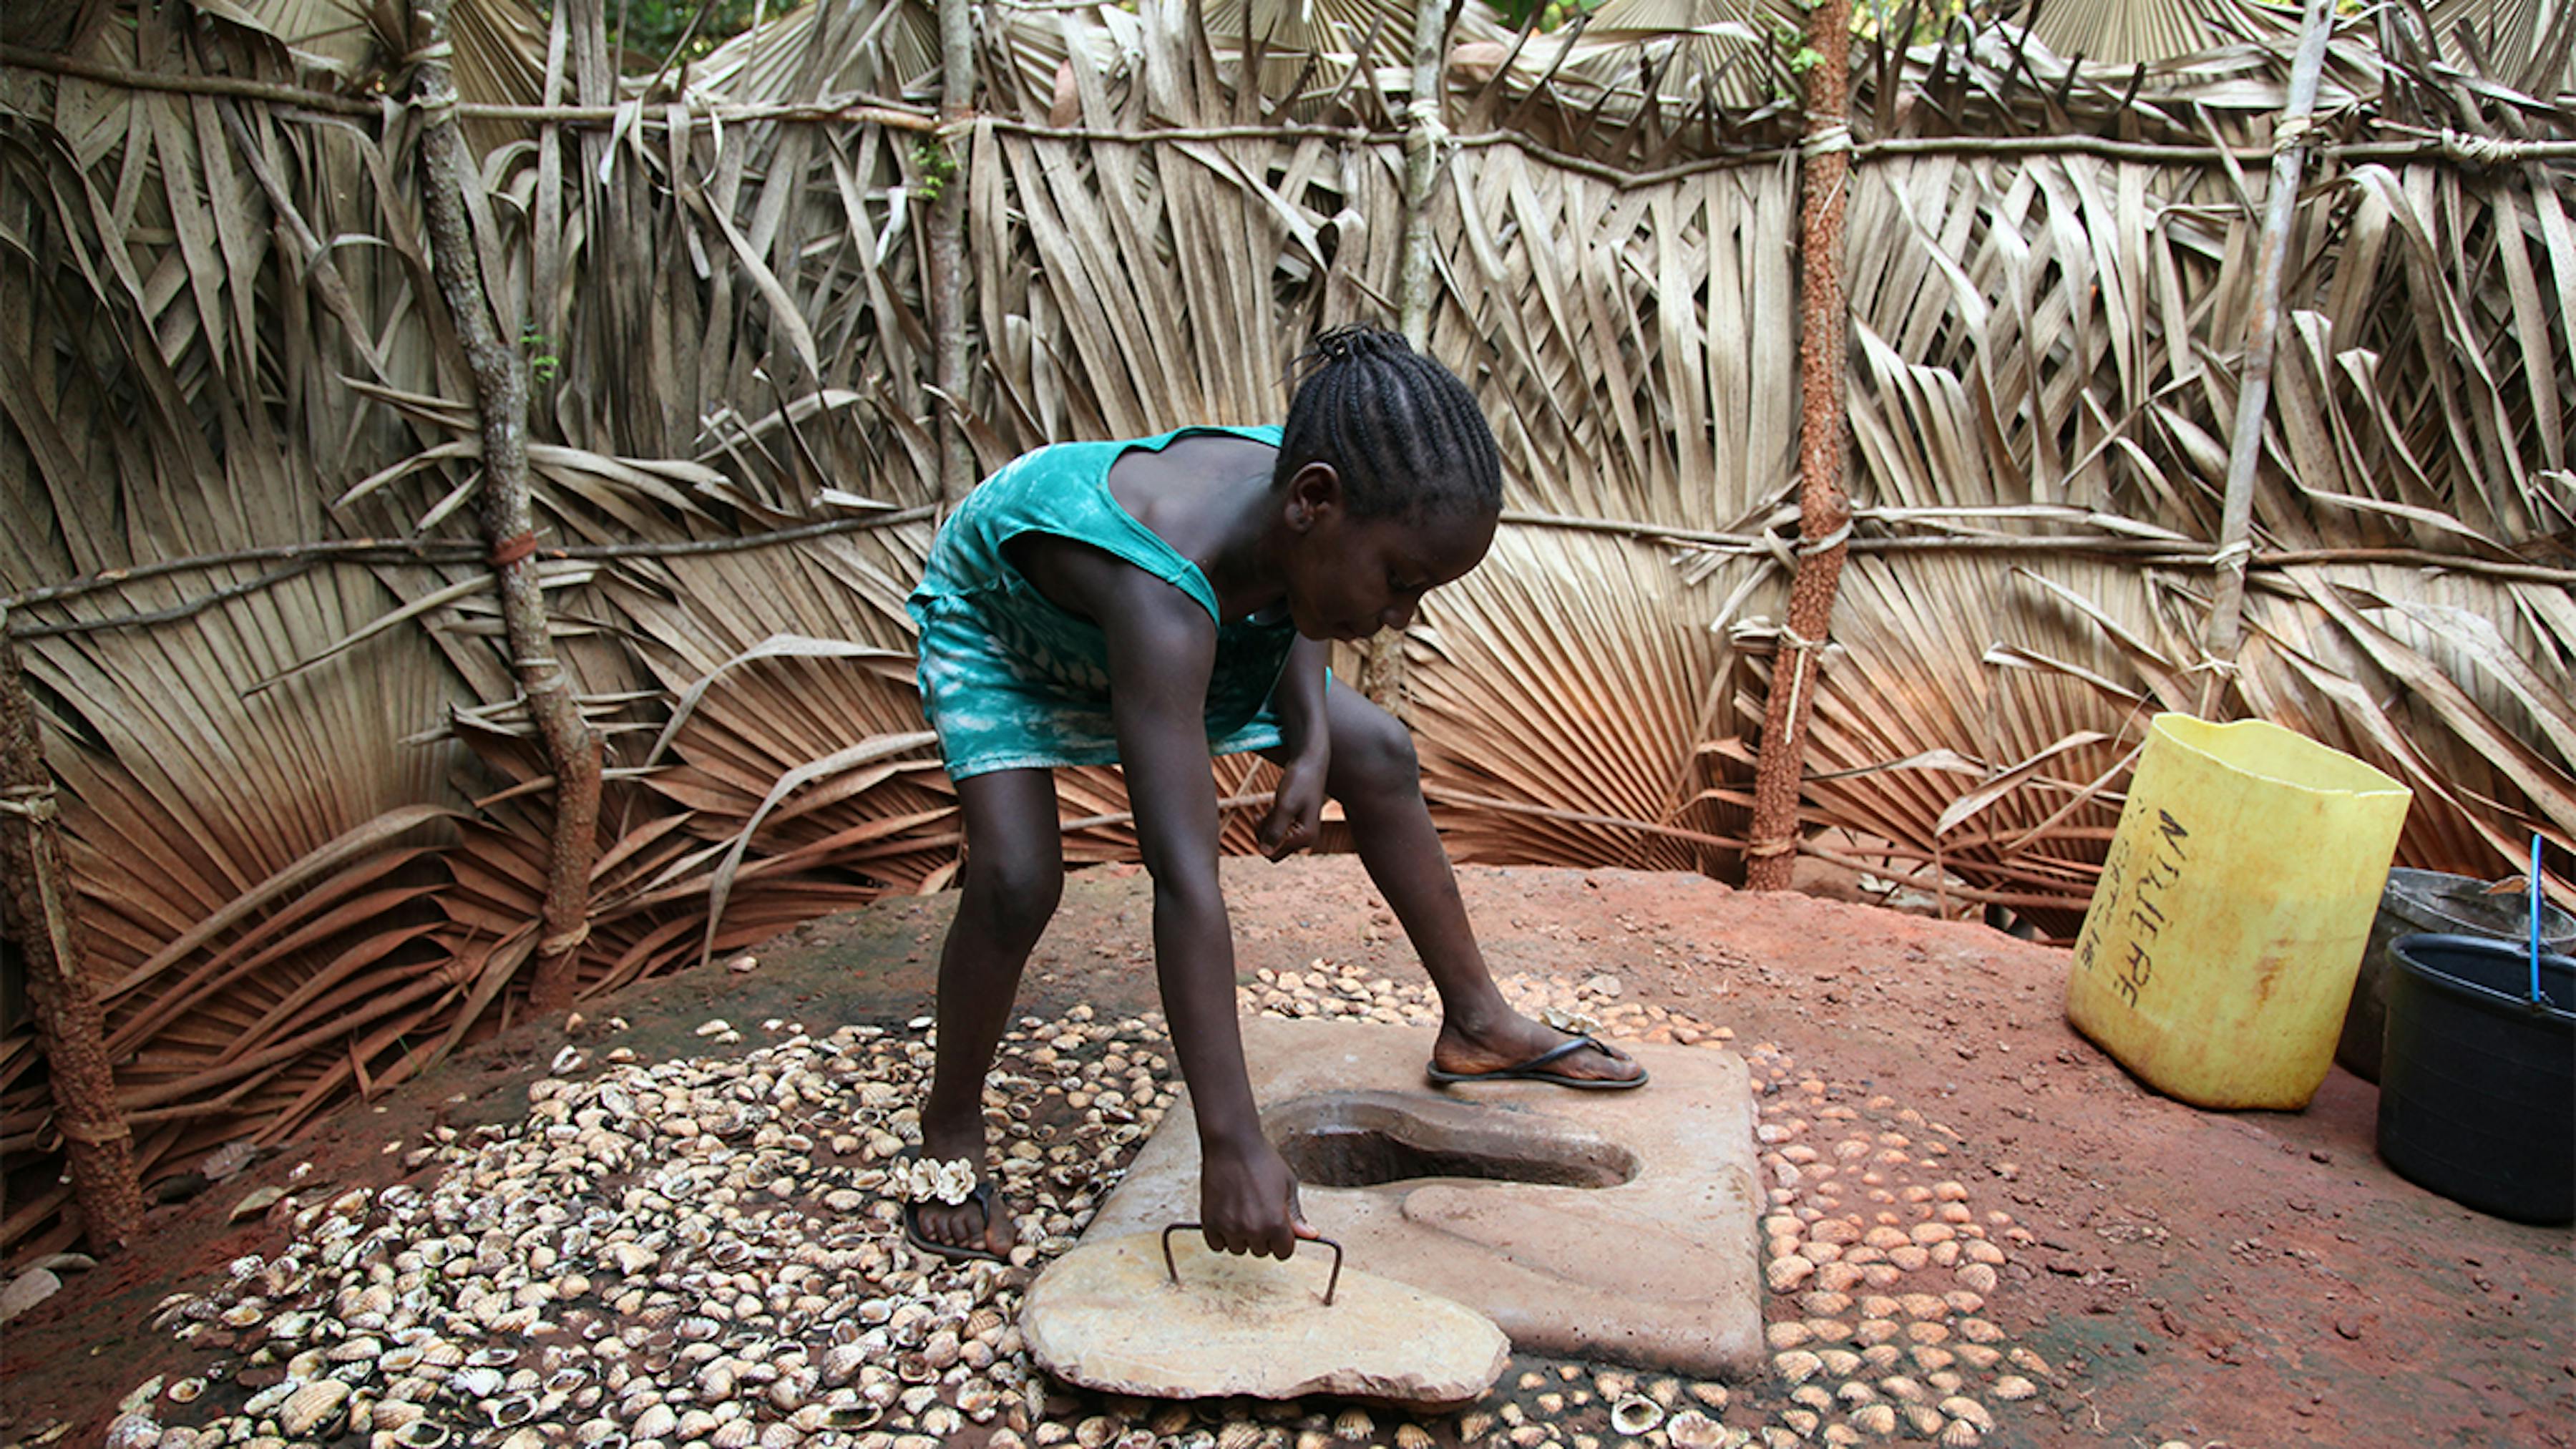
{"type": "Point", "coordinates": [2414, 892]}
{"type": "Point", "coordinates": [2517, 951]}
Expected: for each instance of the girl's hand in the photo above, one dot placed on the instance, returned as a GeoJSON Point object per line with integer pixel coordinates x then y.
{"type": "Point", "coordinates": [1248, 1201]}
{"type": "Point", "coordinates": [1296, 810]}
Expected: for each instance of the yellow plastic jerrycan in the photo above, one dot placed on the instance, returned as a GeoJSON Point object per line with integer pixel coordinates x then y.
{"type": "Point", "coordinates": [2221, 946]}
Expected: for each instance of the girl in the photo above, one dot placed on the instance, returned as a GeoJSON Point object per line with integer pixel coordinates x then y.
{"type": "Point", "coordinates": [1159, 601]}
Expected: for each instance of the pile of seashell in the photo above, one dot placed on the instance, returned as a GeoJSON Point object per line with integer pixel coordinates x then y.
{"type": "Point", "coordinates": [1881, 1271]}
{"type": "Point", "coordinates": [700, 1254]}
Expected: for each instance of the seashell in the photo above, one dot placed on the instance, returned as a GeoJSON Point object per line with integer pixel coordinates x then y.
{"type": "Point", "coordinates": [2013, 1388]}
{"type": "Point", "coordinates": [311, 1407]}
{"type": "Point", "coordinates": [1353, 1424]}
{"type": "Point", "coordinates": [422, 1434]}
{"type": "Point", "coordinates": [1785, 1273]}
{"type": "Point", "coordinates": [1691, 1429]}
{"type": "Point", "coordinates": [267, 1401]}
{"type": "Point", "coordinates": [1634, 1414]}
{"type": "Point", "coordinates": [1814, 1396]}
{"type": "Point", "coordinates": [1801, 1422]}
{"type": "Point", "coordinates": [735, 1434]}
{"type": "Point", "coordinates": [2030, 1363]}
{"type": "Point", "coordinates": [494, 1357]}
{"type": "Point", "coordinates": [1841, 1436]}
{"type": "Point", "coordinates": [1959, 1406]}
{"type": "Point", "coordinates": [441, 1353]}
{"type": "Point", "coordinates": [1797, 1365]}
{"type": "Point", "coordinates": [978, 1400]}
{"type": "Point", "coordinates": [132, 1431]}
{"type": "Point", "coordinates": [1924, 1419]}
{"type": "Point", "coordinates": [1473, 1425]}
{"type": "Point", "coordinates": [1978, 1355]}
{"type": "Point", "coordinates": [187, 1390]}
{"type": "Point", "coordinates": [513, 1411]}
{"type": "Point", "coordinates": [1242, 1434]}
{"type": "Point", "coordinates": [1858, 1391]}
{"type": "Point", "coordinates": [1842, 1363]}
{"type": "Point", "coordinates": [477, 1382]}
{"type": "Point", "coordinates": [245, 1313]}
{"type": "Point", "coordinates": [1787, 1334]}
{"type": "Point", "coordinates": [1096, 1431]}
{"type": "Point", "coordinates": [354, 1350]}
{"type": "Point", "coordinates": [1961, 1435]}
{"type": "Point", "coordinates": [656, 1422]}
{"type": "Point", "coordinates": [1877, 1419]}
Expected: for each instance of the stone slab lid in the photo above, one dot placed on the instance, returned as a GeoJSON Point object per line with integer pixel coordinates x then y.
{"type": "Point", "coordinates": [1108, 1316]}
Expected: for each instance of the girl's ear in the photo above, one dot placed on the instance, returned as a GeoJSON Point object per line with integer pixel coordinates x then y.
{"type": "Point", "coordinates": [1314, 494]}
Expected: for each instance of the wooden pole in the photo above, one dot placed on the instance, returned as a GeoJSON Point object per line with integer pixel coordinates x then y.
{"type": "Point", "coordinates": [36, 910]}
{"type": "Point", "coordinates": [948, 245]}
{"type": "Point", "coordinates": [1824, 511]}
{"type": "Point", "coordinates": [571, 748]}
{"type": "Point", "coordinates": [2225, 632]}
{"type": "Point", "coordinates": [1426, 149]}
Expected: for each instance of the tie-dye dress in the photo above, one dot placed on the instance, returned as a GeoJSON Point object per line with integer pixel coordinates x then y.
{"type": "Point", "coordinates": [1009, 680]}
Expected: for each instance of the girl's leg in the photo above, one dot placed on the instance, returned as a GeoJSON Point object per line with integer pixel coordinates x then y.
{"type": "Point", "coordinates": [1012, 876]}
{"type": "Point", "coordinates": [1375, 776]}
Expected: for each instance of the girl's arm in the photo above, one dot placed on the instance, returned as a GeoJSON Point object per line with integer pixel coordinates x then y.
{"type": "Point", "coordinates": [1297, 810]}
{"type": "Point", "coordinates": [1299, 698]}
{"type": "Point", "coordinates": [1162, 649]}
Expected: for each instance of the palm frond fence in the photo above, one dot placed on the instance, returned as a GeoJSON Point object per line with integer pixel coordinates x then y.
{"type": "Point", "coordinates": [283, 741]}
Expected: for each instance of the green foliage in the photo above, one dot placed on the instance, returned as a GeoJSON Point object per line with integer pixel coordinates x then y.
{"type": "Point", "coordinates": [543, 365]}
{"type": "Point", "coordinates": [1551, 13]}
{"type": "Point", "coordinates": [656, 30]}
{"type": "Point", "coordinates": [937, 166]}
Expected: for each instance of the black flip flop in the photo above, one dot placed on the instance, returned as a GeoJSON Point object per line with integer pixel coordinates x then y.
{"type": "Point", "coordinates": [982, 1197]}
{"type": "Point", "coordinates": [1536, 1069]}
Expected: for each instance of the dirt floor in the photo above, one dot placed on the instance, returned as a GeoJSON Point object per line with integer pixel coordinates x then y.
{"type": "Point", "coordinates": [2243, 1279]}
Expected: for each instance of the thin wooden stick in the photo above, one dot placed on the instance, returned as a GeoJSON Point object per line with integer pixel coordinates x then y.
{"type": "Point", "coordinates": [1426, 135]}
{"type": "Point", "coordinates": [2225, 631]}
{"type": "Point", "coordinates": [572, 748]}
{"type": "Point", "coordinates": [36, 908]}
{"type": "Point", "coordinates": [385, 550]}
{"type": "Point", "coordinates": [1824, 512]}
{"type": "Point", "coordinates": [948, 247]}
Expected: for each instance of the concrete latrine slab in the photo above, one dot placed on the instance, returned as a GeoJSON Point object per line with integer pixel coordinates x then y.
{"type": "Point", "coordinates": [1617, 1226]}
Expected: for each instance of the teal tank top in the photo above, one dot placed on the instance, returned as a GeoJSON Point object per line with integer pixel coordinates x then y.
{"type": "Point", "coordinates": [1009, 680]}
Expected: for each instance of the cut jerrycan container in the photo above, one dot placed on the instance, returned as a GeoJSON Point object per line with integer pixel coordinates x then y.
{"type": "Point", "coordinates": [2224, 935]}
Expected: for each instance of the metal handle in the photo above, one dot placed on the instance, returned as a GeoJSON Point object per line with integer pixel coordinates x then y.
{"type": "Point", "coordinates": [1330, 1283]}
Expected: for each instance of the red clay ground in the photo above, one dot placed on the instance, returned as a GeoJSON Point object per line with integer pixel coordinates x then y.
{"type": "Point", "coordinates": [2248, 1279]}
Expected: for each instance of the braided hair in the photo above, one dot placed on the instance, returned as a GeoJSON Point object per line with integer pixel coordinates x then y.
{"type": "Point", "coordinates": [1403, 433]}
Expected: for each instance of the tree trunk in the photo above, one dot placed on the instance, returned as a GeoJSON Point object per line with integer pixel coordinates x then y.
{"type": "Point", "coordinates": [501, 399]}
{"type": "Point", "coordinates": [2225, 632]}
{"type": "Point", "coordinates": [36, 909]}
{"type": "Point", "coordinates": [1425, 144]}
{"type": "Point", "coordinates": [1824, 512]}
{"type": "Point", "coordinates": [948, 246]}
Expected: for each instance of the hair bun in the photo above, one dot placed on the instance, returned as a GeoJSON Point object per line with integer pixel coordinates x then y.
{"type": "Point", "coordinates": [1357, 342]}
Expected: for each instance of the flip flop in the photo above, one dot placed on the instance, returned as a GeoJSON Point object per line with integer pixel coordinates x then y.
{"type": "Point", "coordinates": [981, 1197]}
{"type": "Point", "coordinates": [1536, 1069]}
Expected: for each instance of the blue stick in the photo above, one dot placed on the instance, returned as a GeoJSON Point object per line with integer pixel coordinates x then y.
{"type": "Point", "coordinates": [2535, 918]}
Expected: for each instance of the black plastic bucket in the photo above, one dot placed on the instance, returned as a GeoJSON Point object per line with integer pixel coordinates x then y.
{"type": "Point", "coordinates": [2477, 1086]}
{"type": "Point", "coordinates": [2431, 901]}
